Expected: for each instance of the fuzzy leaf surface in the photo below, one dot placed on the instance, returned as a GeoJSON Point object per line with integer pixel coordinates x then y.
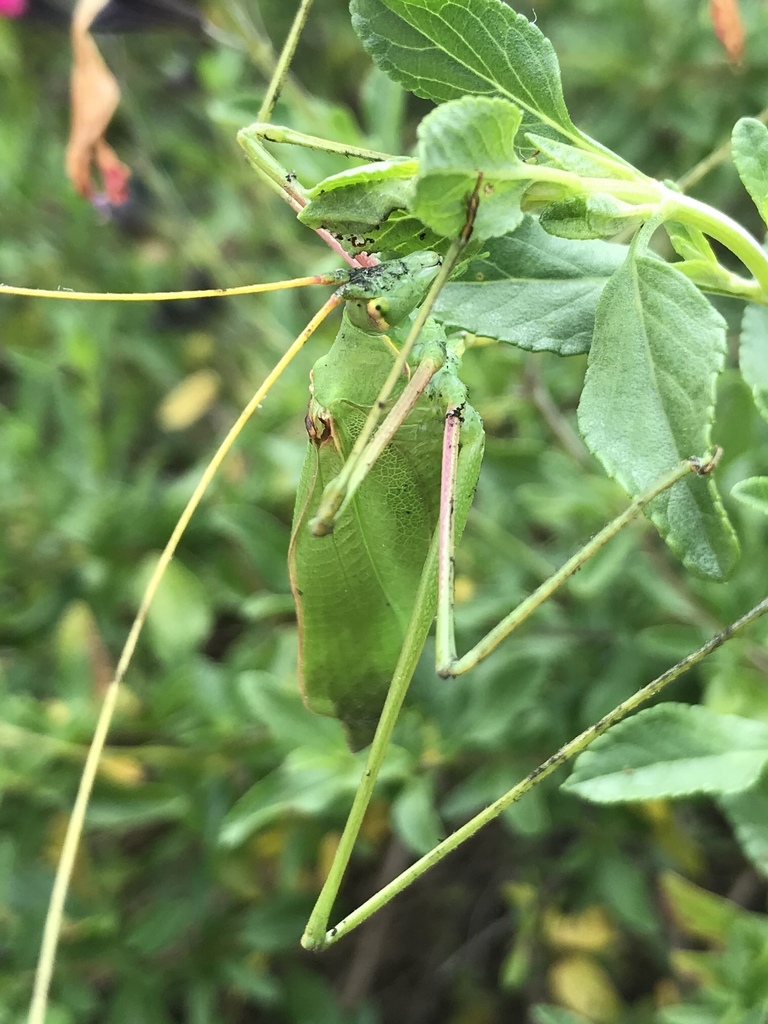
{"type": "Point", "coordinates": [358, 201]}
{"type": "Point", "coordinates": [532, 290]}
{"type": "Point", "coordinates": [749, 146]}
{"type": "Point", "coordinates": [753, 355]}
{"type": "Point", "coordinates": [649, 400]}
{"type": "Point", "coordinates": [593, 216]}
{"type": "Point", "coordinates": [457, 142]}
{"type": "Point", "coordinates": [441, 50]}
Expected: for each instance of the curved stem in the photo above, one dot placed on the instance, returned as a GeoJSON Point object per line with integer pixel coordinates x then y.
{"type": "Point", "coordinates": [66, 864]}
{"type": "Point", "coordinates": [721, 227]}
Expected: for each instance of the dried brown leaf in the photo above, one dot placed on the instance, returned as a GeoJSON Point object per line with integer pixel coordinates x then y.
{"type": "Point", "coordinates": [95, 95]}
{"type": "Point", "coordinates": [726, 20]}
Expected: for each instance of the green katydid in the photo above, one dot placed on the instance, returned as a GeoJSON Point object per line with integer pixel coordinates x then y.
{"type": "Point", "coordinates": [354, 589]}
{"type": "Point", "coordinates": [426, 411]}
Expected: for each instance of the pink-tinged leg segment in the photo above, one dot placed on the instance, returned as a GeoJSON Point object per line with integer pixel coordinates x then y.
{"type": "Point", "coordinates": [446, 644]}
{"type": "Point", "coordinates": [297, 202]}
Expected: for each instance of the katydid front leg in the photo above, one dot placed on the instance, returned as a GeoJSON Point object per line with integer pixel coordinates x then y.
{"type": "Point", "coordinates": [286, 184]}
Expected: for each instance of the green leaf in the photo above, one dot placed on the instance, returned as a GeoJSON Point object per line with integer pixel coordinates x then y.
{"type": "Point", "coordinates": [689, 242]}
{"type": "Point", "coordinates": [279, 707]}
{"type": "Point", "coordinates": [458, 141]}
{"type": "Point", "coordinates": [748, 815]}
{"type": "Point", "coordinates": [180, 617]}
{"type": "Point", "coordinates": [589, 216]}
{"type": "Point", "coordinates": [307, 783]}
{"type": "Point", "coordinates": [749, 146]}
{"type": "Point", "coordinates": [414, 816]}
{"type": "Point", "coordinates": [578, 161]}
{"type": "Point", "coordinates": [532, 290]}
{"type": "Point", "coordinates": [441, 51]}
{"type": "Point", "coordinates": [271, 926]}
{"type": "Point", "coordinates": [402, 233]}
{"type": "Point", "coordinates": [753, 492]}
{"type": "Point", "coordinates": [753, 354]}
{"type": "Point", "coordinates": [649, 400]}
{"type": "Point", "coordinates": [556, 1015]}
{"type": "Point", "coordinates": [129, 809]}
{"type": "Point", "coordinates": [669, 751]}
{"type": "Point", "coordinates": [704, 915]}
{"type": "Point", "coordinates": [310, 997]}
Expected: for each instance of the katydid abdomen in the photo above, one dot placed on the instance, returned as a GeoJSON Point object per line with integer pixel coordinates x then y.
{"type": "Point", "coordinates": [355, 588]}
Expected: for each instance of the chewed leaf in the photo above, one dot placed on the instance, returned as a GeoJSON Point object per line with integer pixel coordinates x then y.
{"type": "Point", "coordinates": [753, 354]}
{"type": "Point", "coordinates": [671, 750]}
{"type": "Point", "coordinates": [457, 142]}
{"type": "Point", "coordinates": [532, 290]}
{"type": "Point", "coordinates": [648, 402]}
{"type": "Point", "coordinates": [403, 233]}
{"type": "Point", "coordinates": [442, 51]}
{"type": "Point", "coordinates": [749, 145]}
{"type": "Point", "coordinates": [358, 201]}
{"type": "Point", "coordinates": [589, 216]}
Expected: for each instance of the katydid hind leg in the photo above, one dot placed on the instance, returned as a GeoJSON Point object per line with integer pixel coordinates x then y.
{"type": "Point", "coordinates": [446, 389]}
{"type": "Point", "coordinates": [448, 664]}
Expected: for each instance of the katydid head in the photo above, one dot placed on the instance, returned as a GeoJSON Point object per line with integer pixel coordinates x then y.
{"type": "Point", "coordinates": [381, 297]}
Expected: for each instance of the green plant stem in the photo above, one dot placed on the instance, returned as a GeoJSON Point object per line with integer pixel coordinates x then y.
{"type": "Point", "coordinates": [719, 226]}
{"type": "Point", "coordinates": [570, 750]}
{"type": "Point", "coordinates": [284, 61]}
{"type": "Point", "coordinates": [568, 183]}
{"type": "Point", "coordinates": [659, 200]}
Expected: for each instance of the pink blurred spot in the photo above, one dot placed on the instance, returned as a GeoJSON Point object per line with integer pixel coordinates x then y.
{"type": "Point", "coordinates": [12, 8]}
{"type": "Point", "coordinates": [116, 177]}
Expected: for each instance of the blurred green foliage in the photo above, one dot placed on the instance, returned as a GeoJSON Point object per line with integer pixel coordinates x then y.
{"type": "Point", "coordinates": [220, 797]}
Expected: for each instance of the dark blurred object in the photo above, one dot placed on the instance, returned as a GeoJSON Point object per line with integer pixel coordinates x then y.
{"type": "Point", "coordinates": [40, 11]}
{"type": "Point", "coordinates": [146, 15]}
{"type": "Point", "coordinates": [117, 16]}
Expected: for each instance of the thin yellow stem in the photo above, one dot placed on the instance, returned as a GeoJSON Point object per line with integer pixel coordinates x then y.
{"type": "Point", "coordinates": [336, 278]}
{"type": "Point", "coordinates": [65, 867]}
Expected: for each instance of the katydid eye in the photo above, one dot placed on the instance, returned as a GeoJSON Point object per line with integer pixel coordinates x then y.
{"type": "Point", "coordinates": [377, 311]}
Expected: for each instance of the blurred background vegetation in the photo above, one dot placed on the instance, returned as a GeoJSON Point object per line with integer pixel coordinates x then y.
{"type": "Point", "coordinates": [220, 798]}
